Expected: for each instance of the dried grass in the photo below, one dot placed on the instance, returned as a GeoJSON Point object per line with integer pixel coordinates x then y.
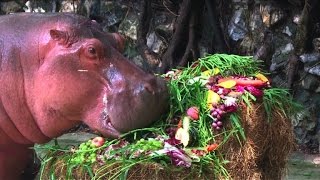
{"type": "Point", "coordinates": [143, 171]}
{"type": "Point", "coordinates": [265, 152]}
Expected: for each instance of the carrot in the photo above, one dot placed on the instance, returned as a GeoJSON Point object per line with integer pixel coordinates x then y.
{"type": "Point", "coordinates": [245, 82]}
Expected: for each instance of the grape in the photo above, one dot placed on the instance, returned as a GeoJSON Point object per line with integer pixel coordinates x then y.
{"type": "Point", "coordinates": [214, 113]}
{"type": "Point", "coordinates": [219, 123]}
{"type": "Point", "coordinates": [92, 145]}
{"type": "Point", "coordinates": [150, 144]}
{"type": "Point", "coordinates": [214, 124]}
{"type": "Point", "coordinates": [93, 155]}
{"type": "Point", "coordinates": [222, 107]}
{"type": "Point", "coordinates": [219, 111]}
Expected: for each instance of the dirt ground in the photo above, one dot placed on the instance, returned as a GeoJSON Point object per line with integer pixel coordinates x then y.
{"type": "Point", "coordinates": [304, 166]}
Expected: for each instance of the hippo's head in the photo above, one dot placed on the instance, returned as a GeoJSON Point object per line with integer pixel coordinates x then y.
{"type": "Point", "coordinates": [83, 76]}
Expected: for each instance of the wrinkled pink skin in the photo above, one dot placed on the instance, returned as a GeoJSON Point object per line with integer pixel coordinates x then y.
{"type": "Point", "coordinates": [59, 69]}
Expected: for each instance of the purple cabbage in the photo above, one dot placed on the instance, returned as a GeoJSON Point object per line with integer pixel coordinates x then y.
{"type": "Point", "coordinates": [254, 91]}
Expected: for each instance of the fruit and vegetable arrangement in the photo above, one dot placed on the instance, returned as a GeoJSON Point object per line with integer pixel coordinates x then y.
{"type": "Point", "coordinates": [207, 101]}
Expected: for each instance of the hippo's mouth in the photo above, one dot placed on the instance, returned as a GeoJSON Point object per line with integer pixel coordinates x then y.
{"type": "Point", "coordinates": [108, 128]}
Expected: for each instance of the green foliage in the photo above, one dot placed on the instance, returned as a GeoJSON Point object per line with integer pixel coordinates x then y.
{"type": "Point", "coordinates": [280, 99]}
{"type": "Point", "coordinates": [231, 64]}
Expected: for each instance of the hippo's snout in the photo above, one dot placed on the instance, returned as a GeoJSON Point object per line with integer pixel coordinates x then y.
{"type": "Point", "coordinates": [130, 109]}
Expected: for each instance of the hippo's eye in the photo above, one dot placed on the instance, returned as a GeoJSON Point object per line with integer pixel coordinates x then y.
{"type": "Point", "coordinates": [92, 50]}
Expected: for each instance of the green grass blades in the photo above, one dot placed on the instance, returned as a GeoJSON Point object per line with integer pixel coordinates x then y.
{"type": "Point", "coordinates": [280, 99]}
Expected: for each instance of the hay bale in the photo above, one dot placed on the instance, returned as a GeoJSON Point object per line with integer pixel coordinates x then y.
{"type": "Point", "coordinates": [263, 155]}
{"type": "Point", "coordinates": [265, 152]}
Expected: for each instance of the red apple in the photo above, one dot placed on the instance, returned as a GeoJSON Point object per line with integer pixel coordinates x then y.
{"type": "Point", "coordinates": [97, 141]}
{"type": "Point", "coordinates": [193, 113]}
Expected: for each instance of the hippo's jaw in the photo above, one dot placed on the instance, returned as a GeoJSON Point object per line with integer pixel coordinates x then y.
{"type": "Point", "coordinates": [108, 128]}
{"type": "Point", "coordinates": [98, 118]}
{"type": "Point", "coordinates": [120, 110]}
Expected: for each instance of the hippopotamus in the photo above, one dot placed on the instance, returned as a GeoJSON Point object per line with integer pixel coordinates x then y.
{"type": "Point", "coordinates": [58, 70]}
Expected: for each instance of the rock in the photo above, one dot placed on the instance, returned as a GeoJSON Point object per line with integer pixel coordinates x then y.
{"type": "Point", "coordinates": [112, 18]}
{"type": "Point", "coordinates": [154, 43]}
{"type": "Point", "coordinates": [310, 82]}
{"type": "Point", "coordinates": [310, 57]}
{"type": "Point", "coordinates": [302, 96]}
{"type": "Point", "coordinates": [203, 50]}
{"type": "Point", "coordinates": [129, 25]}
{"type": "Point", "coordinates": [164, 32]}
{"type": "Point", "coordinates": [307, 122]}
{"type": "Point", "coordinates": [279, 80]}
{"type": "Point", "coordinates": [299, 117]}
{"type": "Point", "coordinates": [90, 8]}
{"type": "Point", "coordinates": [239, 1]}
{"type": "Point", "coordinates": [314, 69]}
{"type": "Point", "coordinates": [280, 57]}
{"type": "Point", "coordinates": [164, 25]}
{"type": "Point", "coordinates": [161, 18]}
{"type": "Point", "coordinates": [316, 44]}
{"type": "Point", "coordinates": [256, 20]}
{"type": "Point", "coordinates": [130, 50]}
{"type": "Point", "coordinates": [300, 135]}
{"type": "Point", "coordinates": [310, 126]}
{"type": "Point", "coordinates": [296, 19]}
{"type": "Point", "coordinates": [69, 6]}
{"type": "Point", "coordinates": [237, 28]}
{"type": "Point", "coordinates": [66, 140]}
{"type": "Point", "coordinates": [10, 7]}
{"type": "Point", "coordinates": [40, 6]}
{"type": "Point", "coordinates": [138, 60]}
{"type": "Point", "coordinates": [112, 14]}
{"type": "Point", "coordinates": [287, 31]}
{"type": "Point", "coordinates": [247, 45]}
{"type": "Point", "coordinates": [271, 14]}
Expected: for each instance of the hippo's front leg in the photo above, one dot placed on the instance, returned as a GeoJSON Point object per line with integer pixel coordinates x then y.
{"type": "Point", "coordinates": [13, 159]}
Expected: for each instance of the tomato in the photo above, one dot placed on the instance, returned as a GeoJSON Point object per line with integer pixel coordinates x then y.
{"type": "Point", "coordinates": [212, 147]}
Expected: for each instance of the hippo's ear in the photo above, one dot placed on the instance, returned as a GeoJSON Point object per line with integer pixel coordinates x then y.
{"type": "Point", "coordinates": [120, 41]}
{"type": "Point", "coordinates": [62, 37]}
